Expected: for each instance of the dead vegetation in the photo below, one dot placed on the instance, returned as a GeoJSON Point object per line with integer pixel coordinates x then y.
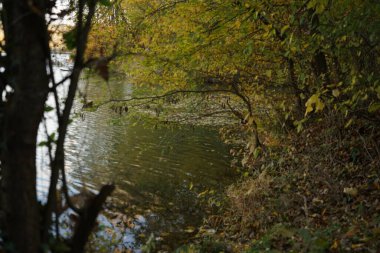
{"type": "Point", "coordinates": [317, 192]}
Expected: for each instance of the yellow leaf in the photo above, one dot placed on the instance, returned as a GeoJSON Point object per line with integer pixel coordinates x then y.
{"type": "Point", "coordinates": [189, 229]}
{"type": "Point", "coordinates": [335, 245]}
{"type": "Point", "coordinates": [356, 246]}
{"type": "Point", "coordinates": [250, 120]}
{"type": "Point", "coordinates": [351, 191]}
{"type": "Point", "coordinates": [268, 73]}
{"type": "Point", "coordinates": [348, 123]}
{"type": "Point", "coordinates": [308, 109]}
{"type": "Point", "coordinates": [314, 100]}
{"type": "Point", "coordinates": [310, 102]}
{"type": "Point", "coordinates": [336, 93]}
{"type": "Point", "coordinates": [319, 105]}
{"type": "Point", "coordinates": [283, 30]}
{"type": "Point", "coordinates": [202, 193]}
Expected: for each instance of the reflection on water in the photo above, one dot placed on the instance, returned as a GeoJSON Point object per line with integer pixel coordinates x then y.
{"type": "Point", "coordinates": [153, 167]}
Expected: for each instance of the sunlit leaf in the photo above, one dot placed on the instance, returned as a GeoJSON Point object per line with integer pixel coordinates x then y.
{"type": "Point", "coordinates": [374, 107]}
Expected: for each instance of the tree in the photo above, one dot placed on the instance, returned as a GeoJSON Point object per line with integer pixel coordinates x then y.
{"type": "Point", "coordinates": [26, 80]}
{"type": "Point", "coordinates": [295, 60]}
{"type": "Point", "coordinates": [297, 48]}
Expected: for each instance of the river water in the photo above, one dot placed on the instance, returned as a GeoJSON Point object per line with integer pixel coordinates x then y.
{"type": "Point", "coordinates": [159, 170]}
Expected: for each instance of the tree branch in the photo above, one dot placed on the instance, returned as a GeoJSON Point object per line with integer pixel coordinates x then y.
{"type": "Point", "coordinates": [88, 219]}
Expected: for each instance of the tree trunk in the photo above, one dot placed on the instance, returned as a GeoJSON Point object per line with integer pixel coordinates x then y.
{"type": "Point", "coordinates": [25, 36]}
{"type": "Point", "coordinates": [319, 64]}
{"type": "Point", "coordinates": [293, 81]}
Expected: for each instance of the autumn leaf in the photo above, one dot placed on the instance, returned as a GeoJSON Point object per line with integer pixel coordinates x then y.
{"type": "Point", "coordinates": [314, 102]}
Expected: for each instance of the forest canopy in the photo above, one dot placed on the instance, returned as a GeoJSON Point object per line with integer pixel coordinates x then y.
{"type": "Point", "coordinates": [296, 60]}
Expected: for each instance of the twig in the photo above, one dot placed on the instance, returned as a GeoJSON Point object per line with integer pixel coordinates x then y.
{"type": "Point", "coordinates": [170, 93]}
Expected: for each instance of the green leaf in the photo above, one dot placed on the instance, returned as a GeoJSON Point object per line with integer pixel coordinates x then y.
{"type": "Point", "coordinates": [299, 128]}
{"type": "Point", "coordinates": [256, 153]}
{"type": "Point", "coordinates": [105, 2]}
{"type": "Point", "coordinates": [374, 107]}
{"type": "Point", "coordinates": [318, 5]}
{"type": "Point", "coordinates": [48, 108]}
{"type": "Point", "coordinates": [202, 193]}
{"type": "Point", "coordinates": [70, 39]}
{"type": "Point", "coordinates": [249, 49]}
{"type": "Point", "coordinates": [43, 143]}
{"type": "Point", "coordinates": [336, 93]}
{"type": "Point", "coordinates": [378, 92]}
{"type": "Point", "coordinates": [51, 137]}
{"type": "Point", "coordinates": [299, 124]}
{"type": "Point", "coordinates": [284, 29]}
{"type": "Point", "coordinates": [268, 73]}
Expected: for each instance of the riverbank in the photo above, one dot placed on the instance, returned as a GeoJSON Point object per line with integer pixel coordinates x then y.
{"type": "Point", "coordinates": [306, 192]}
{"type": "Point", "coordinates": [313, 193]}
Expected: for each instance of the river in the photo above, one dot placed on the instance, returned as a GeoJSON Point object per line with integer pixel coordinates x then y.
{"type": "Point", "coordinates": [159, 170]}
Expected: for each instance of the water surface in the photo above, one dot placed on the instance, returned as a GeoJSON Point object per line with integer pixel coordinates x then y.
{"type": "Point", "coordinates": [158, 169]}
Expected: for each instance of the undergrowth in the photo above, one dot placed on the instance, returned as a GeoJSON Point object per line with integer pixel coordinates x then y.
{"type": "Point", "coordinates": [316, 191]}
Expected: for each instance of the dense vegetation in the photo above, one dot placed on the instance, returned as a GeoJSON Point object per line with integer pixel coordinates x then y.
{"type": "Point", "coordinates": [301, 79]}
{"type": "Point", "coordinates": [273, 56]}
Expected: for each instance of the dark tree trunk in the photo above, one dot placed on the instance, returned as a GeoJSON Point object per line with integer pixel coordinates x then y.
{"type": "Point", "coordinates": [319, 61]}
{"type": "Point", "coordinates": [25, 36]}
{"type": "Point", "coordinates": [319, 64]}
{"type": "Point", "coordinates": [294, 84]}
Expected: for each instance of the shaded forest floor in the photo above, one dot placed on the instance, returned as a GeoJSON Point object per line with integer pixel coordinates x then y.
{"type": "Point", "coordinates": [317, 191]}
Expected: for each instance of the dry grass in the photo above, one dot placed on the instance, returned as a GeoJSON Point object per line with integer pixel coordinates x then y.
{"type": "Point", "coordinates": [248, 200]}
{"type": "Point", "coordinates": [325, 181]}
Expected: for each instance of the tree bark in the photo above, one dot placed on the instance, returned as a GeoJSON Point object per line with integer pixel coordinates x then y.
{"type": "Point", "coordinates": [294, 85]}
{"type": "Point", "coordinates": [25, 32]}
{"type": "Point", "coordinates": [88, 219]}
{"type": "Point", "coordinates": [58, 165]}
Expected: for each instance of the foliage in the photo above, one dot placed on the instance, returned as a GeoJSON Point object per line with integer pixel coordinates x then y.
{"type": "Point", "coordinates": [206, 245]}
{"type": "Point", "coordinates": [281, 67]}
{"type": "Point", "coordinates": [287, 59]}
{"type": "Point", "coordinates": [315, 193]}
{"type": "Point", "coordinates": [277, 51]}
